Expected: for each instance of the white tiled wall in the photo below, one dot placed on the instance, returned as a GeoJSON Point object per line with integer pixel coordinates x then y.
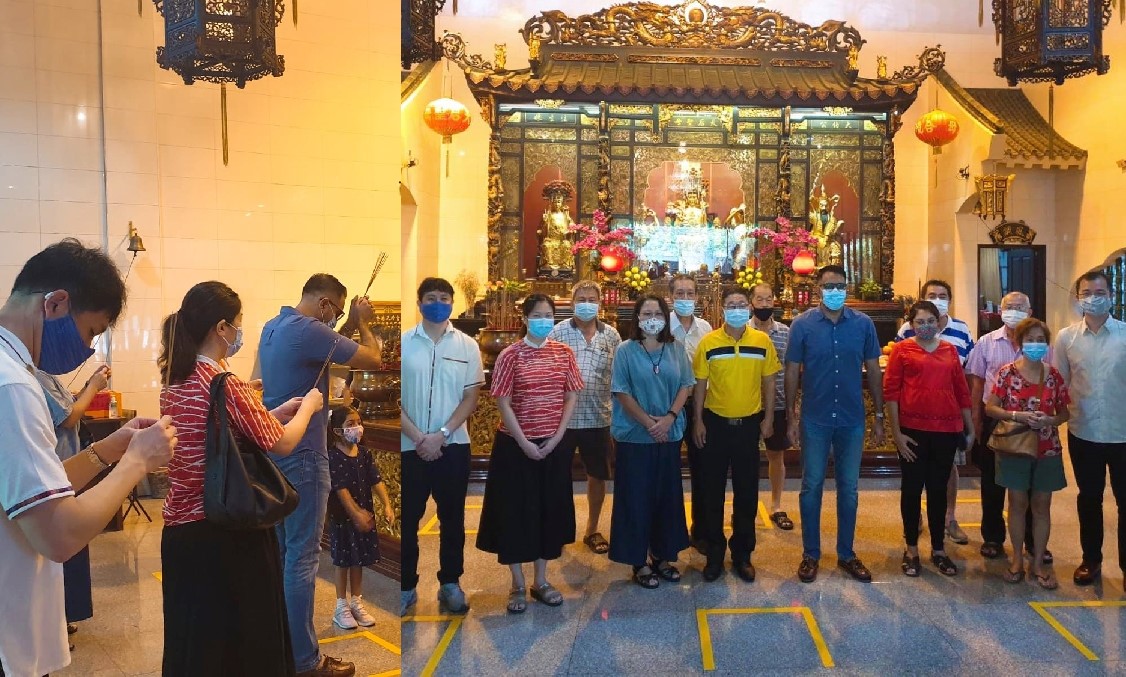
{"type": "Point", "coordinates": [310, 186]}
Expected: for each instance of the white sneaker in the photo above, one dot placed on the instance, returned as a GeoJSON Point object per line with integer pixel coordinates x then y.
{"type": "Point", "coordinates": [359, 613]}
{"type": "Point", "coordinates": [343, 617]}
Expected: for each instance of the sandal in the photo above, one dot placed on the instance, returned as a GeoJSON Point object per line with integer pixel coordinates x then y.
{"type": "Point", "coordinates": [991, 550]}
{"type": "Point", "coordinates": [944, 565]}
{"type": "Point", "coordinates": [597, 543]}
{"type": "Point", "coordinates": [647, 580]}
{"type": "Point", "coordinates": [782, 521]}
{"type": "Point", "coordinates": [517, 601]}
{"type": "Point", "coordinates": [1047, 581]}
{"type": "Point", "coordinates": [666, 570]}
{"type": "Point", "coordinates": [910, 565]}
{"type": "Point", "coordinates": [1011, 576]}
{"type": "Point", "coordinates": [547, 594]}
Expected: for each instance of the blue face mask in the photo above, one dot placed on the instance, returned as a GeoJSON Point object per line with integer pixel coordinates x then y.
{"type": "Point", "coordinates": [684, 307]}
{"type": "Point", "coordinates": [736, 318]}
{"type": "Point", "coordinates": [436, 311]}
{"type": "Point", "coordinates": [833, 298]}
{"type": "Point", "coordinates": [540, 327]}
{"type": "Point", "coordinates": [1035, 351]}
{"type": "Point", "coordinates": [63, 349]}
{"type": "Point", "coordinates": [586, 311]}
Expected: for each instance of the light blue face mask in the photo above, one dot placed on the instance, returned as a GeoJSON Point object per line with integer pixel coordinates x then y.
{"type": "Point", "coordinates": [736, 318]}
{"type": "Point", "coordinates": [540, 327]}
{"type": "Point", "coordinates": [1035, 351]}
{"type": "Point", "coordinates": [833, 299]}
{"type": "Point", "coordinates": [684, 307]}
{"type": "Point", "coordinates": [586, 311]}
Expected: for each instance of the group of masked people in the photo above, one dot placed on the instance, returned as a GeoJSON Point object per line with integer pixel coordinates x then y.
{"type": "Point", "coordinates": [234, 601]}
{"type": "Point", "coordinates": [628, 405]}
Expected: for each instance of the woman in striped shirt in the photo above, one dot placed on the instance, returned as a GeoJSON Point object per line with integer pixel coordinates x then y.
{"type": "Point", "coordinates": [224, 606]}
{"type": "Point", "coordinates": [529, 511]}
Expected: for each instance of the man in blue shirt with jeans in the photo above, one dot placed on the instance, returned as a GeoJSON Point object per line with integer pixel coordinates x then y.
{"type": "Point", "coordinates": [293, 352]}
{"type": "Point", "coordinates": [828, 346]}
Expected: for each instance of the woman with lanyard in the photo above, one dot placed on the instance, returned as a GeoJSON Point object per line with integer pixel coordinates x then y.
{"type": "Point", "coordinates": [528, 513]}
{"type": "Point", "coordinates": [651, 382]}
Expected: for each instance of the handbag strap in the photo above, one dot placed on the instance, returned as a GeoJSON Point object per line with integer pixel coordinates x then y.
{"type": "Point", "coordinates": [217, 409]}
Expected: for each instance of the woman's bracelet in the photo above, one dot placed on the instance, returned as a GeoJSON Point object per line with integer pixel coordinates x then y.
{"type": "Point", "coordinates": [95, 459]}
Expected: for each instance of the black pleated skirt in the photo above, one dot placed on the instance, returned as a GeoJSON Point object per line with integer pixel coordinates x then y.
{"type": "Point", "coordinates": [224, 604]}
{"type": "Point", "coordinates": [529, 508]}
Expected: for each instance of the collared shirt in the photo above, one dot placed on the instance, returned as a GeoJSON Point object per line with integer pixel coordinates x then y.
{"type": "Point", "coordinates": [832, 355]}
{"type": "Point", "coordinates": [990, 353]}
{"type": "Point", "coordinates": [956, 333]}
{"type": "Point", "coordinates": [734, 370]}
{"type": "Point", "coordinates": [595, 358]}
{"type": "Point", "coordinates": [435, 378]}
{"type": "Point", "coordinates": [32, 623]}
{"type": "Point", "coordinates": [779, 335]}
{"type": "Point", "coordinates": [1094, 367]}
{"type": "Point", "coordinates": [537, 380]}
{"type": "Point", "coordinates": [690, 337]}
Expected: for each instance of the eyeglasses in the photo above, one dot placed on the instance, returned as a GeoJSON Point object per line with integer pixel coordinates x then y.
{"type": "Point", "coordinates": [339, 312]}
{"type": "Point", "coordinates": [839, 286]}
{"type": "Point", "coordinates": [741, 306]}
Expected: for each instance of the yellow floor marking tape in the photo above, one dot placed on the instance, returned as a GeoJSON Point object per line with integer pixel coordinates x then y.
{"type": "Point", "coordinates": [1042, 609]}
{"type": "Point", "coordinates": [431, 527]}
{"type": "Point", "coordinates": [443, 644]}
{"type": "Point", "coordinates": [708, 655]}
{"type": "Point", "coordinates": [364, 634]}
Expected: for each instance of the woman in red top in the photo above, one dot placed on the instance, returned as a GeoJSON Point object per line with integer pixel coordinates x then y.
{"type": "Point", "coordinates": [1033, 393]}
{"type": "Point", "coordinates": [224, 606]}
{"type": "Point", "coordinates": [529, 511]}
{"type": "Point", "coordinates": [929, 404]}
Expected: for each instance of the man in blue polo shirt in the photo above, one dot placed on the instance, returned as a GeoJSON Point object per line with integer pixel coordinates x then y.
{"type": "Point", "coordinates": [294, 349]}
{"type": "Point", "coordinates": [828, 347]}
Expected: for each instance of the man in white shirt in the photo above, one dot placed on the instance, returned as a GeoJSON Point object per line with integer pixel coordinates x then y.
{"type": "Point", "coordinates": [1091, 356]}
{"type": "Point", "coordinates": [689, 329]}
{"type": "Point", "coordinates": [442, 376]}
{"type": "Point", "coordinates": [62, 298]}
{"type": "Point", "coordinates": [956, 333]}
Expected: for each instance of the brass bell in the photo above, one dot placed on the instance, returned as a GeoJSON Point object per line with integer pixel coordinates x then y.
{"type": "Point", "coordinates": [135, 242]}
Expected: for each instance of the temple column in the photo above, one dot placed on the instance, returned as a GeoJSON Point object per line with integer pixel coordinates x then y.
{"type": "Point", "coordinates": [783, 199]}
{"type": "Point", "coordinates": [887, 201]}
{"type": "Point", "coordinates": [604, 157]}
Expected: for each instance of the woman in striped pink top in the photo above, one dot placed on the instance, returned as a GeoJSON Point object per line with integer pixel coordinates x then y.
{"type": "Point", "coordinates": [224, 607]}
{"type": "Point", "coordinates": [529, 511]}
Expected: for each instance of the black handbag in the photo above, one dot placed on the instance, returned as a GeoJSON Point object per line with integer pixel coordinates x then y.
{"type": "Point", "coordinates": [242, 488]}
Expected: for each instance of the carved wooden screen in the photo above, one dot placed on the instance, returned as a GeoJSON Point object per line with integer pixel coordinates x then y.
{"type": "Point", "coordinates": [1116, 272]}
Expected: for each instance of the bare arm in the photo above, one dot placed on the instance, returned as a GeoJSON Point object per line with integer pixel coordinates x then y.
{"type": "Point", "coordinates": [977, 393]}
{"type": "Point", "coordinates": [768, 394]}
{"type": "Point", "coordinates": [369, 355]}
{"type": "Point", "coordinates": [295, 429]}
{"type": "Point", "coordinates": [792, 380]}
{"type": "Point", "coordinates": [413, 432]}
{"type": "Point", "coordinates": [468, 403]}
{"type": "Point", "coordinates": [81, 404]}
{"type": "Point", "coordinates": [508, 417]}
{"type": "Point", "coordinates": [634, 410]}
{"type": "Point", "coordinates": [699, 391]}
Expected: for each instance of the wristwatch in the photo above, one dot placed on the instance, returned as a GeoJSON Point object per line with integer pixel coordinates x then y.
{"type": "Point", "coordinates": [94, 459]}
{"type": "Point", "coordinates": [445, 432]}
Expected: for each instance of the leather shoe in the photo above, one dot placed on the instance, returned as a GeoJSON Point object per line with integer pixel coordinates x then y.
{"type": "Point", "coordinates": [857, 570]}
{"type": "Point", "coordinates": [330, 667]}
{"type": "Point", "coordinates": [712, 571]}
{"type": "Point", "coordinates": [1087, 574]}
{"type": "Point", "coordinates": [807, 570]}
{"type": "Point", "coordinates": [745, 571]}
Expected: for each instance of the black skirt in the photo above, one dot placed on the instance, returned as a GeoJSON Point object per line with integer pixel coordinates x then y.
{"type": "Point", "coordinates": [224, 604]}
{"type": "Point", "coordinates": [77, 589]}
{"type": "Point", "coordinates": [529, 508]}
{"type": "Point", "coordinates": [648, 513]}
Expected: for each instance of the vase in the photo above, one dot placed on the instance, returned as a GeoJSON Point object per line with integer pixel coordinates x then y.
{"type": "Point", "coordinates": [492, 341]}
{"type": "Point", "coordinates": [379, 393]}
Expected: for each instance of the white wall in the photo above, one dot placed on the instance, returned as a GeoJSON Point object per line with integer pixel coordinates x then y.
{"type": "Point", "coordinates": [309, 187]}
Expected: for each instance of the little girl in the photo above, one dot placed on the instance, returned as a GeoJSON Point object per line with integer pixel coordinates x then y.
{"type": "Point", "coordinates": [355, 543]}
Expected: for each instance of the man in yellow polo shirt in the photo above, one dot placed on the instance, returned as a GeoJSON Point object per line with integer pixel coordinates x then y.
{"type": "Point", "coordinates": [734, 367]}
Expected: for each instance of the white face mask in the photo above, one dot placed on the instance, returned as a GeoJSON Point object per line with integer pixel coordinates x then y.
{"type": "Point", "coordinates": [942, 305]}
{"type": "Point", "coordinates": [233, 348]}
{"type": "Point", "coordinates": [652, 326]}
{"type": "Point", "coordinates": [1012, 318]}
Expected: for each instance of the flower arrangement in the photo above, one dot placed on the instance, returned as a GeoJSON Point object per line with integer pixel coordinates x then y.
{"type": "Point", "coordinates": [748, 277]}
{"type": "Point", "coordinates": [600, 237]}
{"type": "Point", "coordinates": [869, 290]}
{"type": "Point", "coordinates": [637, 280]}
{"type": "Point", "coordinates": [468, 283]}
{"type": "Point", "coordinates": [788, 240]}
{"type": "Point", "coordinates": [500, 303]}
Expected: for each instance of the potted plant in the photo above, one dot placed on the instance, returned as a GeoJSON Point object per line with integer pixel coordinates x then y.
{"type": "Point", "coordinates": [869, 290]}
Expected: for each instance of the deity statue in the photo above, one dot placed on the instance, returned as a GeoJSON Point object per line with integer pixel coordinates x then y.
{"type": "Point", "coordinates": [824, 226]}
{"type": "Point", "coordinates": [500, 56]}
{"type": "Point", "coordinates": [554, 232]}
{"type": "Point", "coordinates": [853, 57]}
{"type": "Point", "coordinates": [691, 211]}
{"type": "Point", "coordinates": [881, 67]}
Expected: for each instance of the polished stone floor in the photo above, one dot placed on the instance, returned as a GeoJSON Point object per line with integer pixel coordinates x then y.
{"type": "Point", "coordinates": [125, 636]}
{"type": "Point", "coordinates": [974, 623]}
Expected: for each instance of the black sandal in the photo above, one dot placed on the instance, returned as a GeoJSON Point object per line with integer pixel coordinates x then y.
{"type": "Point", "coordinates": [944, 565]}
{"type": "Point", "coordinates": [597, 543]}
{"type": "Point", "coordinates": [649, 580]}
{"type": "Point", "coordinates": [910, 565]}
{"type": "Point", "coordinates": [666, 570]}
{"type": "Point", "coordinates": [782, 520]}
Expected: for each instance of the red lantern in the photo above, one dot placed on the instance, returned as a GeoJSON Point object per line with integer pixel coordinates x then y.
{"type": "Point", "coordinates": [937, 128]}
{"type": "Point", "coordinates": [804, 263]}
{"type": "Point", "coordinates": [612, 263]}
{"type": "Point", "coordinates": [447, 117]}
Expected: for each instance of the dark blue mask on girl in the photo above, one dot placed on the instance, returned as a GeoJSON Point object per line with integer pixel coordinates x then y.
{"type": "Point", "coordinates": [63, 348]}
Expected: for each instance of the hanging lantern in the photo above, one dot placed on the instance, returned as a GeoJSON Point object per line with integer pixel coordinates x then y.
{"type": "Point", "coordinates": [612, 263]}
{"type": "Point", "coordinates": [1050, 41]}
{"type": "Point", "coordinates": [221, 40]}
{"type": "Point", "coordinates": [804, 263]}
{"type": "Point", "coordinates": [936, 129]}
{"type": "Point", "coordinates": [446, 117]}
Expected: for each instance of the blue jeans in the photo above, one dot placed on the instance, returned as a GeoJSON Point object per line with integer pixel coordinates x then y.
{"type": "Point", "coordinates": [847, 445]}
{"type": "Point", "coordinates": [299, 537]}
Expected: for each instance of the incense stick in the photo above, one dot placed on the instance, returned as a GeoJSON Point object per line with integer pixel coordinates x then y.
{"type": "Point", "coordinates": [379, 261]}
{"type": "Point", "coordinates": [328, 361]}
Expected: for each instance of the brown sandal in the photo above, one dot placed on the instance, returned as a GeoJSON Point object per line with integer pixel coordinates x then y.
{"type": "Point", "coordinates": [597, 543]}
{"type": "Point", "coordinates": [1011, 576]}
{"type": "Point", "coordinates": [1047, 581]}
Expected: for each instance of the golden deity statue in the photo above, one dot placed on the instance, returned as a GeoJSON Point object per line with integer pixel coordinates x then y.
{"type": "Point", "coordinates": [500, 56]}
{"type": "Point", "coordinates": [555, 234]}
{"type": "Point", "coordinates": [691, 210]}
{"type": "Point", "coordinates": [824, 225]}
